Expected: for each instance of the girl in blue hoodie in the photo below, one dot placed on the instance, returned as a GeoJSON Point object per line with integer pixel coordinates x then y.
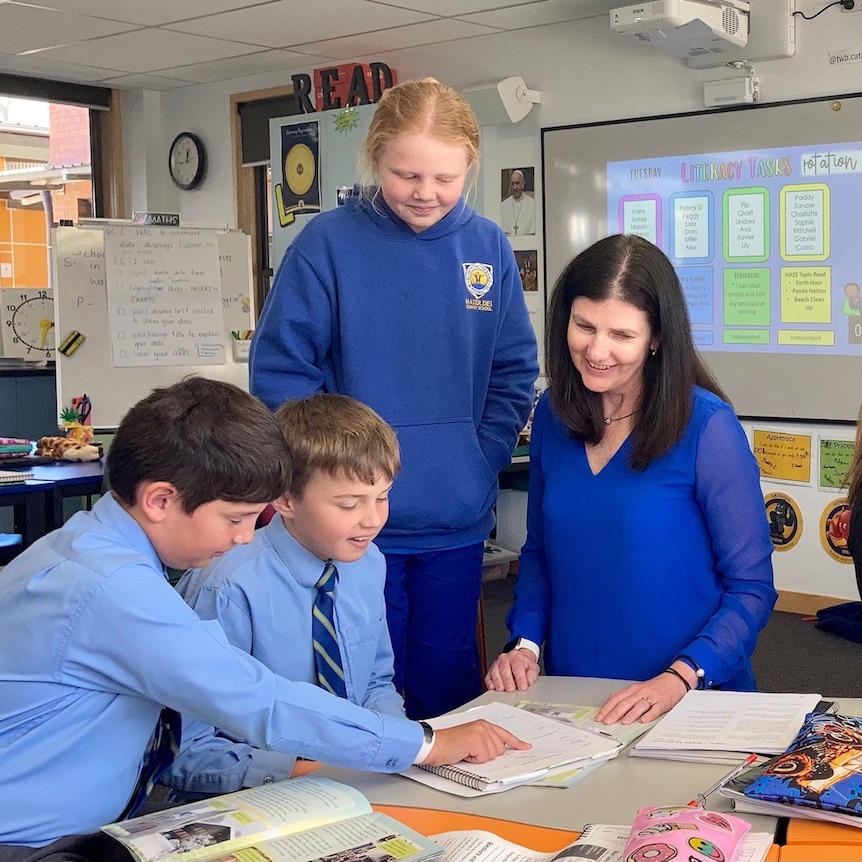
{"type": "Point", "coordinates": [407, 300]}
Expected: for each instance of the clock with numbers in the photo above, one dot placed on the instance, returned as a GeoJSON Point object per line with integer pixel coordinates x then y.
{"type": "Point", "coordinates": [28, 323]}
{"type": "Point", "coordinates": [187, 160]}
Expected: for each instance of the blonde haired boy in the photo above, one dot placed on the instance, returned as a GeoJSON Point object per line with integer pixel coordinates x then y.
{"type": "Point", "coordinates": [344, 458]}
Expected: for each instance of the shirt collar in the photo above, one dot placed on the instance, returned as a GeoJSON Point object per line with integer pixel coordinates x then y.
{"type": "Point", "coordinates": [114, 517]}
{"type": "Point", "coordinates": [305, 567]}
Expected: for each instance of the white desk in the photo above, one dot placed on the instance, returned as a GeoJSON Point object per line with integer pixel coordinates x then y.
{"type": "Point", "coordinates": [612, 794]}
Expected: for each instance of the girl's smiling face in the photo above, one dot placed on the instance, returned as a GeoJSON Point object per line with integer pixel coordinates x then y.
{"type": "Point", "coordinates": [421, 178]}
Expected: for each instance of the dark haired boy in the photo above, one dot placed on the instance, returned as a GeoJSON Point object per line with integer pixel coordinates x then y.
{"type": "Point", "coordinates": [94, 642]}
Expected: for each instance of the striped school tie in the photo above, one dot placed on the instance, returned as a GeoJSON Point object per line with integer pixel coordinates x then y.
{"type": "Point", "coordinates": [327, 656]}
{"type": "Point", "coordinates": [161, 751]}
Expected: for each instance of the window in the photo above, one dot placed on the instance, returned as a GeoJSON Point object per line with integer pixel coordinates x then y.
{"type": "Point", "coordinates": [53, 168]}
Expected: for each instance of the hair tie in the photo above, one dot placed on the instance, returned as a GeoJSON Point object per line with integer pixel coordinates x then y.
{"type": "Point", "coordinates": [678, 675]}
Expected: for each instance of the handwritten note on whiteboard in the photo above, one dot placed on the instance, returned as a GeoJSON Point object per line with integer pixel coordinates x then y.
{"type": "Point", "coordinates": [786, 457]}
{"type": "Point", "coordinates": [164, 297]}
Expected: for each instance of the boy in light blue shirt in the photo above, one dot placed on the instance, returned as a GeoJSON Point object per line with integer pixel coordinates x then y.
{"type": "Point", "coordinates": [96, 646]}
{"type": "Point", "coordinates": [344, 459]}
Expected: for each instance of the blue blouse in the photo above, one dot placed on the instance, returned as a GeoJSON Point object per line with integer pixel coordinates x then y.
{"type": "Point", "coordinates": [622, 571]}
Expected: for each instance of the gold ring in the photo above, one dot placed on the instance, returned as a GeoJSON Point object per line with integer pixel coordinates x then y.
{"type": "Point", "coordinates": [647, 700]}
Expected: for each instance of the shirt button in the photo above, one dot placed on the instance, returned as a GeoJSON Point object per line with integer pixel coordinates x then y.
{"type": "Point", "coordinates": [391, 763]}
{"type": "Point", "coordinates": [268, 780]}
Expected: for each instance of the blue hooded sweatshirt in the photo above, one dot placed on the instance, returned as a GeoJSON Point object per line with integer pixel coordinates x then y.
{"type": "Point", "coordinates": [430, 329]}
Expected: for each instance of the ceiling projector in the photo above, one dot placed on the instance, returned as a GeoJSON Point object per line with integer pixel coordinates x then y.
{"type": "Point", "coordinates": [685, 28]}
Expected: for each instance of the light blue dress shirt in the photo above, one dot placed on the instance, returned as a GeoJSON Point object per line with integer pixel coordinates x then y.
{"type": "Point", "coordinates": [94, 641]}
{"type": "Point", "coordinates": [262, 594]}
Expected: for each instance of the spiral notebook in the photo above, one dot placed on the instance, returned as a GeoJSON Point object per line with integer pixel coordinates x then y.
{"type": "Point", "coordinates": [14, 477]}
{"type": "Point", "coordinates": [554, 745]}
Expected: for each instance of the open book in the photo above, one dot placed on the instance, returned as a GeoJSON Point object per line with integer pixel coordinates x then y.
{"type": "Point", "coordinates": [555, 744]}
{"type": "Point", "coordinates": [598, 843]}
{"type": "Point", "coordinates": [724, 726]}
{"type": "Point", "coordinates": [301, 820]}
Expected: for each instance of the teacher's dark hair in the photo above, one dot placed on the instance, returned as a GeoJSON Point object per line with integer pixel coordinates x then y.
{"type": "Point", "coordinates": [635, 271]}
{"type": "Point", "coordinates": [211, 440]}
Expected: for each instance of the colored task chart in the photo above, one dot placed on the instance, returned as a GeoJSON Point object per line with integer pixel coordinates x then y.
{"type": "Point", "coordinates": [752, 236]}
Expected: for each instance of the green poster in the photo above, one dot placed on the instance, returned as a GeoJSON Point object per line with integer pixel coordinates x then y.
{"type": "Point", "coordinates": [835, 458]}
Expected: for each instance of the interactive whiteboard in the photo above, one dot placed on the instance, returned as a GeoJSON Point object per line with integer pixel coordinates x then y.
{"type": "Point", "coordinates": [759, 210]}
{"type": "Point", "coordinates": [143, 307]}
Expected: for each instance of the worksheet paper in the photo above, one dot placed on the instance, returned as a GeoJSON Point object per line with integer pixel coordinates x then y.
{"type": "Point", "coordinates": [582, 716]}
{"type": "Point", "coordinates": [705, 725]}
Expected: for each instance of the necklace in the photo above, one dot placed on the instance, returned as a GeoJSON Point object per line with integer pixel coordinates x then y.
{"type": "Point", "coordinates": [609, 419]}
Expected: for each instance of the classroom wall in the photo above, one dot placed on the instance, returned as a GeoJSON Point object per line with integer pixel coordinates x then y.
{"type": "Point", "coordinates": [585, 73]}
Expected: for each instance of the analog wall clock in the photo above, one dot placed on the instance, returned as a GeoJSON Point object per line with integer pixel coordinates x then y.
{"type": "Point", "coordinates": [28, 324]}
{"type": "Point", "coordinates": [187, 160]}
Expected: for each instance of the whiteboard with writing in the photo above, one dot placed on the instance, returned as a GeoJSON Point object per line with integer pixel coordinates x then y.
{"type": "Point", "coordinates": [164, 297]}
{"type": "Point", "coordinates": [153, 304]}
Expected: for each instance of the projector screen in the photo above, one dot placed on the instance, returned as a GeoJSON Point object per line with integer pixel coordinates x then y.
{"type": "Point", "coordinates": [758, 208]}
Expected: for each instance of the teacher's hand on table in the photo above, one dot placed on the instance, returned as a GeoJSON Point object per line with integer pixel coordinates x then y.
{"type": "Point", "coordinates": [643, 701]}
{"type": "Point", "coordinates": [475, 742]}
{"type": "Point", "coordinates": [513, 671]}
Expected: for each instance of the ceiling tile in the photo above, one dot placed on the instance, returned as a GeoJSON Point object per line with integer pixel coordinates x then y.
{"type": "Point", "coordinates": [369, 44]}
{"type": "Point", "coordinates": [28, 28]}
{"type": "Point", "coordinates": [452, 8]}
{"type": "Point", "coordinates": [288, 23]}
{"type": "Point", "coordinates": [148, 51]}
{"type": "Point", "coordinates": [145, 82]}
{"type": "Point", "coordinates": [207, 40]}
{"type": "Point", "coordinates": [531, 14]}
{"type": "Point", "coordinates": [149, 13]}
{"type": "Point", "coordinates": [249, 64]}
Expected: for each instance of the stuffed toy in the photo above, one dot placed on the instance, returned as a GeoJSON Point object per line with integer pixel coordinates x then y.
{"type": "Point", "coordinates": [67, 449]}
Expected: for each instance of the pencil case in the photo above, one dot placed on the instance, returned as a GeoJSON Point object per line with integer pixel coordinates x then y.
{"type": "Point", "coordinates": [683, 833]}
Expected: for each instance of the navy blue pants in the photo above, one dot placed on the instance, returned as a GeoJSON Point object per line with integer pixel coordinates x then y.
{"type": "Point", "coordinates": [432, 602]}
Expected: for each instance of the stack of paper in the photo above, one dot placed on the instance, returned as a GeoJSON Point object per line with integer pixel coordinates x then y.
{"type": "Point", "coordinates": [724, 726]}
{"type": "Point", "coordinates": [554, 745]}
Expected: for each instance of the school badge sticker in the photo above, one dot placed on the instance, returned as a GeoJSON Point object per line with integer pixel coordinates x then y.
{"type": "Point", "coordinates": [478, 279]}
{"type": "Point", "coordinates": [834, 530]}
{"type": "Point", "coordinates": [785, 521]}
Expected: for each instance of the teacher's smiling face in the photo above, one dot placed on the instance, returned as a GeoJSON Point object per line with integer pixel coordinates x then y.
{"type": "Point", "coordinates": [609, 342]}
